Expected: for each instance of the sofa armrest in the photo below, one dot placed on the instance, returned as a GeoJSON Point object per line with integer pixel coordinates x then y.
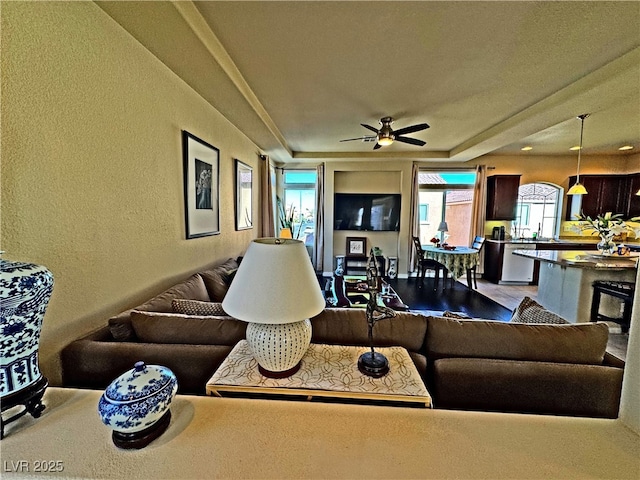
{"type": "Point", "coordinates": [527, 387]}
{"type": "Point", "coordinates": [87, 363]}
{"type": "Point", "coordinates": [612, 361]}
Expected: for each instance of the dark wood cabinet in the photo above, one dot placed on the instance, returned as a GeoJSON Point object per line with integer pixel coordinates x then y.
{"type": "Point", "coordinates": [357, 265]}
{"type": "Point", "coordinates": [605, 193]}
{"type": "Point", "coordinates": [633, 200]}
{"type": "Point", "coordinates": [502, 197]}
{"type": "Point", "coordinates": [493, 253]}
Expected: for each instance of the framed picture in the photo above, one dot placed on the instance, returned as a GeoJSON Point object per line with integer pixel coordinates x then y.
{"type": "Point", "coordinates": [244, 192]}
{"type": "Point", "coordinates": [201, 186]}
{"type": "Point", "coordinates": [357, 246]}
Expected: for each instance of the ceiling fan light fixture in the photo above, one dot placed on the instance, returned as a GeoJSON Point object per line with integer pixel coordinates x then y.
{"type": "Point", "coordinates": [578, 188]}
{"type": "Point", "coordinates": [385, 140]}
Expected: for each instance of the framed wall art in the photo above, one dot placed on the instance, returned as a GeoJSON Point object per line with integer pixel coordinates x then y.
{"type": "Point", "coordinates": [244, 194]}
{"type": "Point", "coordinates": [357, 246]}
{"type": "Point", "coordinates": [201, 186]}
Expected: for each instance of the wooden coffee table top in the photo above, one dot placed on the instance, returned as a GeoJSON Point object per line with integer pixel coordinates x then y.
{"type": "Point", "coordinates": [326, 371]}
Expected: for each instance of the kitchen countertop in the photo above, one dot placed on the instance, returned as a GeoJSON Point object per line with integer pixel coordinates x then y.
{"type": "Point", "coordinates": [582, 259]}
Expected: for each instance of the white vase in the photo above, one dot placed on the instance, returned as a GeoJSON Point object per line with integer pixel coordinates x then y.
{"type": "Point", "coordinates": [25, 290]}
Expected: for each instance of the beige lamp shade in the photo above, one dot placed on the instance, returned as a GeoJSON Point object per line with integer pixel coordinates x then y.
{"type": "Point", "coordinates": [275, 284]}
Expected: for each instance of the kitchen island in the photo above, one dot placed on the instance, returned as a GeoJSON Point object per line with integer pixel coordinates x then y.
{"type": "Point", "coordinates": [566, 279]}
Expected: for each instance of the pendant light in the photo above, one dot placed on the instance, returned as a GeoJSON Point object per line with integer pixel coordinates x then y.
{"type": "Point", "coordinates": [578, 188]}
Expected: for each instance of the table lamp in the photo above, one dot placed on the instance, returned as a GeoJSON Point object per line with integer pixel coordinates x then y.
{"type": "Point", "coordinates": [276, 290]}
{"type": "Point", "coordinates": [443, 228]}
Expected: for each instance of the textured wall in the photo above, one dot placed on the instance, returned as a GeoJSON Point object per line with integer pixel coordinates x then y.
{"type": "Point", "coordinates": [92, 166]}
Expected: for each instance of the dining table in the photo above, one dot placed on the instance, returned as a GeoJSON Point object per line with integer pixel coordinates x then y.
{"type": "Point", "coordinates": [458, 260]}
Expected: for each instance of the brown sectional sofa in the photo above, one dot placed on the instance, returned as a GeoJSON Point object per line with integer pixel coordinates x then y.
{"type": "Point", "coordinates": [466, 364]}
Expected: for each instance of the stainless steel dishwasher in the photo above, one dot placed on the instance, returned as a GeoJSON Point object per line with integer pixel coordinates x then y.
{"type": "Point", "coordinates": [517, 269]}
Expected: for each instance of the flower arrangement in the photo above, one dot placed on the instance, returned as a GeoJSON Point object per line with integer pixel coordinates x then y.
{"type": "Point", "coordinates": [435, 241]}
{"type": "Point", "coordinates": [607, 226]}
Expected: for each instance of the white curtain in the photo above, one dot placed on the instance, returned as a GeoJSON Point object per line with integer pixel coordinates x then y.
{"type": "Point", "coordinates": [267, 191]}
{"type": "Point", "coordinates": [414, 227]}
{"type": "Point", "coordinates": [318, 249]}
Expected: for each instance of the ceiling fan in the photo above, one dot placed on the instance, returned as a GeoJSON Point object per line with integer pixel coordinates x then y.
{"type": "Point", "coordinates": [386, 135]}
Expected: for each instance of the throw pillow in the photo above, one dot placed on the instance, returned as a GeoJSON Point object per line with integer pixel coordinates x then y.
{"type": "Point", "coordinates": [196, 307]}
{"type": "Point", "coordinates": [530, 311]}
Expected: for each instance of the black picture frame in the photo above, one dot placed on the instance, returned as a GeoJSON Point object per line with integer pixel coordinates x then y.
{"type": "Point", "coordinates": [201, 167]}
{"type": "Point", "coordinates": [244, 196]}
{"type": "Point", "coordinates": [357, 246]}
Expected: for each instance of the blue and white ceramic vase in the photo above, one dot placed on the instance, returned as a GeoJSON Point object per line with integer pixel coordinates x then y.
{"type": "Point", "coordinates": [136, 404]}
{"type": "Point", "coordinates": [25, 290]}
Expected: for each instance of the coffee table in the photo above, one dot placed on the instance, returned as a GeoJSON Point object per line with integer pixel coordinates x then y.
{"type": "Point", "coordinates": [327, 372]}
{"type": "Point", "coordinates": [356, 289]}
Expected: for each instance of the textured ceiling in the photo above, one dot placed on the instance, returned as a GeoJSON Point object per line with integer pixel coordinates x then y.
{"type": "Point", "coordinates": [488, 77]}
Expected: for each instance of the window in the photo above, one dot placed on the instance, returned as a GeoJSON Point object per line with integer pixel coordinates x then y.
{"type": "Point", "coordinates": [537, 211]}
{"type": "Point", "coordinates": [424, 212]}
{"type": "Point", "coordinates": [446, 196]}
{"type": "Point", "coordinates": [300, 204]}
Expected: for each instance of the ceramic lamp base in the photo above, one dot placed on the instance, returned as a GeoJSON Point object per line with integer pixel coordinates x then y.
{"type": "Point", "coordinates": [279, 348]}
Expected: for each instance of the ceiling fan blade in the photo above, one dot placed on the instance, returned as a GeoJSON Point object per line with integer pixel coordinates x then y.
{"type": "Point", "coordinates": [411, 129]}
{"type": "Point", "coordinates": [376, 146]}
{"type": "Point", "coordinates": [412, 141]}
{"type": "Point", "coordinates": [351, 139]}
{"type": "Point", "coordinates": [370, 127]}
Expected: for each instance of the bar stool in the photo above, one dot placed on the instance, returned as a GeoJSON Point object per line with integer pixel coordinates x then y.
{"type": "Point", "coordinates": [621, 290]}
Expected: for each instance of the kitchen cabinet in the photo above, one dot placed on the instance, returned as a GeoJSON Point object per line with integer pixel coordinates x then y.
{"type": "Point", "coordinates": [501, 266]}
{"type": "Point", "coordinates": [502, 197]}
{"type": "Point", "coordinates": [606, 193]}
{"type": "Point", "coordinates": [633, 200]}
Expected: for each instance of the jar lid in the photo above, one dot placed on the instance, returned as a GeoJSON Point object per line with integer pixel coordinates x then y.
{"type": "Point", "coordinates": [140, 382]}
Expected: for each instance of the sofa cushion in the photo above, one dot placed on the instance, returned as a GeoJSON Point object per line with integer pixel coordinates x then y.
{"type": "Point", "coordinates": [193, 288]}
{"type": "Point", "coordinates": [574, 343]}
{"type": "Point", "coordinates": [530, 311]}
{"type": "Point", "coordinates": [154, 327]}
{"type": "Point", "coordinates": [196, 307]}
{"type": "Point", "coordinates": [348, 326]}
{"type": "Point", "coordinates": [218, 279]}
{"type": "Point", "coordinates": [526, 387]}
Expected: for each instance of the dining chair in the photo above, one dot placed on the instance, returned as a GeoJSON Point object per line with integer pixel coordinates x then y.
{"type": "Point", "coordinates": [477, 243]}
{"type": "Point", "coordinates": [425, 264]}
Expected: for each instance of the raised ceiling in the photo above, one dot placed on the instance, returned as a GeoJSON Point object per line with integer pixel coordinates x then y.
{"type": "Point", "coordinates": [489, 77]}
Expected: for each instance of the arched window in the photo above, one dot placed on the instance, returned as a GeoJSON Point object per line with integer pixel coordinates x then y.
{"type": "Point", "coordinates": [537, 212]}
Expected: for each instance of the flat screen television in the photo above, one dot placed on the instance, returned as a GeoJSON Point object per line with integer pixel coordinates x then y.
{"type": "Point", "coordinates": [367, 211]}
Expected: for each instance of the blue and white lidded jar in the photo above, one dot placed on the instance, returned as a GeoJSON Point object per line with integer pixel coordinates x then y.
{"type": "Point", "coordinates": [25, 290]}
{"type": "Point", "coordinates": [136, 404]}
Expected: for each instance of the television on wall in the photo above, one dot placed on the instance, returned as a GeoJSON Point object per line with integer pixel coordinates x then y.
{"type": "Point", "coordinates": [367, 211]}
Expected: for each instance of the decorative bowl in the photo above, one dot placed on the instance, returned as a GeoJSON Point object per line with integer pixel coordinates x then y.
{"type": "Point", "coordinates": [135, 402]}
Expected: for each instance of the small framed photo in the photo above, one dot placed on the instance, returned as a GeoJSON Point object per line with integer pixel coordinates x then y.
{"type": "Point", "coordinates": [357, 246]}
{"type": "Point", "coordinates": [201, 186]}
{"type": "Point", "coordinates": [244, 192]}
